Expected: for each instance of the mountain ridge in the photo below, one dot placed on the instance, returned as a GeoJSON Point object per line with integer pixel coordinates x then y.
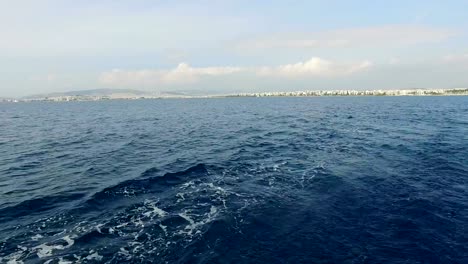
{"type": "Point", "coordinates": [89, 92]}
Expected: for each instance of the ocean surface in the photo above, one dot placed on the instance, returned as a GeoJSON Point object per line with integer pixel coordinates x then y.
{"type": "Point", "coordinates": [235, 180]}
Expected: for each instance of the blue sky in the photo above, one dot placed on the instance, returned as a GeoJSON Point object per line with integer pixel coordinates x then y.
{"type": "Point", "coordinates": [231, 46]}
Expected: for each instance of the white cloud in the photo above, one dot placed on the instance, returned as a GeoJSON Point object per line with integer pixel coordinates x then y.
{"type": "Point", "coordinates": [47, 78]}
{"type": "Point", "coordinates": [353, 37]}
{"type": "Point", "coordinates": [186, 74]}
{"type": "Point", "coordinates": [455, 58]}
{"type": "Point", "coordinates": [314, 67]}
{"type": "Point", "coordinates": [182, 74]}
{"type": "Point", "coordinates": [394, 61]}
{"type": "Point", "coordinates": [51, 77]}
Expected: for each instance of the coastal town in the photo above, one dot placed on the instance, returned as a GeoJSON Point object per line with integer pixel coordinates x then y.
{"type": "Point", "coordinates": [409, 92]}
{"type": "Point", "coordinates": [311, 93]}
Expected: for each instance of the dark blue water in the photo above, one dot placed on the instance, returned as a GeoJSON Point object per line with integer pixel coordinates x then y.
{"type": "Point", "coordinates": [241, 180]}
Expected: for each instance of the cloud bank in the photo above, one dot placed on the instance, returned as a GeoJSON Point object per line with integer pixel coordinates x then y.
{"type": "Point", "coordinates": [314, 67]}
{"type": "Point", "coordinates": [182, 74]}
{"type": "Point", "coordinates": [186, 74]}
{"type": "Point", "coordinates": [456, 58]}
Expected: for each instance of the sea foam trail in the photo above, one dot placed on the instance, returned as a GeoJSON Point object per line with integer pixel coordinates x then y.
{"type": "Point", "coordinates": [155, 223]}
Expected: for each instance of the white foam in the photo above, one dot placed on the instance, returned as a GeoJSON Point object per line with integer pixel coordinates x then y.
{"type": "Point", "coordinates": [213, 210]}
{"type": "Point", "coordinates": [36, 237]}
{"type": "Point", "coordinates": [221, 192]}
{"type": "Point", "coordinates": [138, 222]}
{"type": "Point", "coordinates": [164, 228]}
{"type": "Point", "coordinates": [98, 228]}
{"type": "Point", "coordinates": [22, 248]}
{"type": "Point", "coordinates": [193, 226]}
{"type": "Point", "coordinates": [14, 258]}
{"type": "Point", "coordinates": [186, 217]}
{"type": "Point", "coordinates": [271, 181]}
{"type": "Point", "coordinates": [277, 166]}
{"type": "Point", "coordinates": [155, 210]}
{"type": "Point", "coordinates": [95, 256]}
{"type": "Point", "coordinates": [62, 261]}
{"type": "Point", "coordinates": [180, 197]}
{"type": "Point", "coordinates": [187, 184]}
{"type": "Point", "coordinates": [124, 251]}
{"type": "Point", "coordinates": [44, 250]}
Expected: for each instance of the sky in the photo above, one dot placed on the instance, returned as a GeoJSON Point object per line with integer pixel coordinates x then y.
{"type": "Point", "coordinates": [228, 46]}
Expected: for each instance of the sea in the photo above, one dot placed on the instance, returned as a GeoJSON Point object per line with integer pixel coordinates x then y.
{"type": "Point", "coordinates": [235, 180]}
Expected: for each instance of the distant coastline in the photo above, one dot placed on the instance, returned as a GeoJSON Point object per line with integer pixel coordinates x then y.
{"type": "Point", "coordinates": [405, 92]}
{"type": "Point", "coordinates": [134, 94]}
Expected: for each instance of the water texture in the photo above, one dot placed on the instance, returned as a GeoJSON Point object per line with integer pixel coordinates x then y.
{"type": "Point", "coordinates": [239, 180]}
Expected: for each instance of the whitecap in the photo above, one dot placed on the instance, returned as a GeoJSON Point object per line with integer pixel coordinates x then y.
{"type": "Point", "coordinates": [44, 250]}
{"type": "Point", "coordinates": [36, 237]}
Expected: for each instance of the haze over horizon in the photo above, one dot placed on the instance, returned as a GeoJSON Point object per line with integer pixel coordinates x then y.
{"type": "Point", "coordinates": [231, 46]}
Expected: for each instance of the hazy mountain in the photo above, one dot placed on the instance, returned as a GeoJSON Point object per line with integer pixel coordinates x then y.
{"type": "Point", "coordinates": [93, 92]}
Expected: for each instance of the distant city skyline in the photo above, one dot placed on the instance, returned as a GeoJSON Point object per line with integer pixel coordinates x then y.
{"type": "Point", "coordinates": [231, 46]}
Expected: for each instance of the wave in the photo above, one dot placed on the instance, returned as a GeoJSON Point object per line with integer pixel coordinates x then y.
{"type": "Point", "coordinates": [153, 215]}
{"type": "Point", "coordinates": [147, 182]}
{"type": "Point", "coordinates": [37, 205]}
